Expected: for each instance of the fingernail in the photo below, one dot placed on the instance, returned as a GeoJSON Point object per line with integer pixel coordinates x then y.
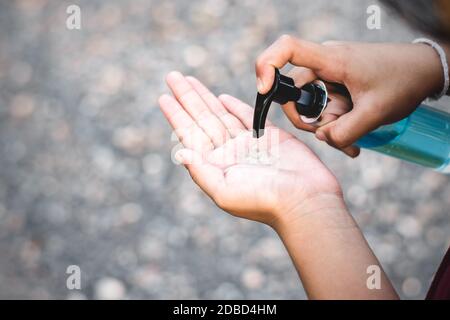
{"type": "Point", "coordinates": [321, 136]}
{"type": "Point", "coordinates": [259, 84]}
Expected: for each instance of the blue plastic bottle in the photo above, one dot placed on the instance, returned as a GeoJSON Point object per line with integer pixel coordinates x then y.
{"type": "Point", "coordinates": [422, 138]}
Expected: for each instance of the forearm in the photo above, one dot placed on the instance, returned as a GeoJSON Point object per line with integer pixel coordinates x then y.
{"type": "Point", "coordinates": [330, 252]}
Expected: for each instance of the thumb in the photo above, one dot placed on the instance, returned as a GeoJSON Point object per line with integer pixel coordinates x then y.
{"type": "Point", "coordinates": [350, 127]}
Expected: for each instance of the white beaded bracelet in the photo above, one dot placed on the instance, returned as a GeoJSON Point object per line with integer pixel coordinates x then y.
{"type": "Point", "coordinates": [444, 64]}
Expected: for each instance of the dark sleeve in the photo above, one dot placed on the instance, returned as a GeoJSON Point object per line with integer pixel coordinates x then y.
{"type": "Point", "coordinates": [440, 287]}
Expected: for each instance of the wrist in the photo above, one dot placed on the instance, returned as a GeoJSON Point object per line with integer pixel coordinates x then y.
{"type": "Point", "coordinates": [316, 213]}
{"type": "Point", "coordinates": [432, 70]}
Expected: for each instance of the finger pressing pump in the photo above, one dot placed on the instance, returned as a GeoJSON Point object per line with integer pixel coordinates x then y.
{"type": "Point", "coordinates": [310, 100]}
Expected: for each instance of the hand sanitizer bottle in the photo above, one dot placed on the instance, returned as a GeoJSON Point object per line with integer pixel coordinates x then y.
{"type": "Point", "coordinates": [422, 138]}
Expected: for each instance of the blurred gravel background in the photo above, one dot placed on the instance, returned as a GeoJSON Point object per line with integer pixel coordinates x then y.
{"type": "Point", "coordinates": [85, 170]}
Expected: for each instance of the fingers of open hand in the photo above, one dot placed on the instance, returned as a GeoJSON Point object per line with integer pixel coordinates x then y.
{"type": "Point", "coordinates": [240, 110]}
{"type": "Point", "coordinates": [231, 123]}
{"type": "Point", "coordinates": [187, 131]}
{"type": "Point", "coordinates": [198, 110]}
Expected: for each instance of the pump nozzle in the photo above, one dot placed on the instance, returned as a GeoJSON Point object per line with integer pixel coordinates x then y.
{"type": "Point", "coordinates": [310, 100]}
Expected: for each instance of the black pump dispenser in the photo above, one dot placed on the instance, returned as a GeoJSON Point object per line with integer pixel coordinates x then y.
{"type": "Point", "coordinates": [310, 100]}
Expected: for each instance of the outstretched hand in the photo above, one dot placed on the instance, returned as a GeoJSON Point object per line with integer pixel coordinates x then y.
{"type": "Point", "coordinates": [270, 179]}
